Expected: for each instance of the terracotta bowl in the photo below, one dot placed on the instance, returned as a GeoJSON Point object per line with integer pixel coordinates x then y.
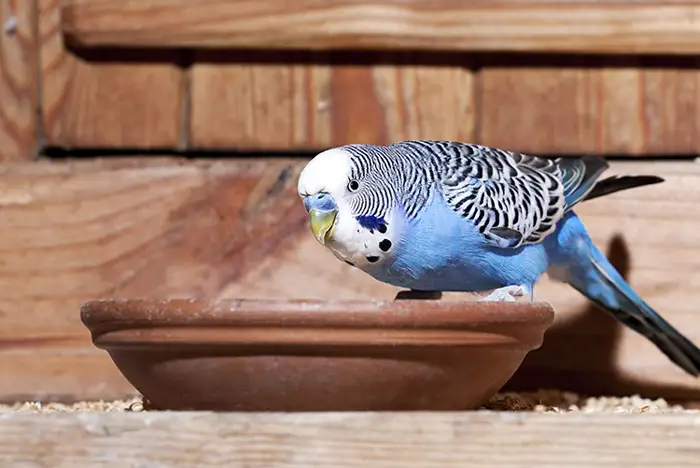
{"type": "Point", "coordinates": [267, 355]}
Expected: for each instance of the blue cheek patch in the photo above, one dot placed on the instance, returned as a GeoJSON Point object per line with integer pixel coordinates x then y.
{"type": "Point", "coordinates": [371, 223]}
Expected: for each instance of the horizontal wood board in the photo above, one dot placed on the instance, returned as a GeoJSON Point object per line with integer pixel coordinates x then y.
{"type": "Point", "coordinates": [153, 227]}
{"type": "Point", "coordinates": [502, 25]}
{"type": "Point", "coordinates": [400, 440]}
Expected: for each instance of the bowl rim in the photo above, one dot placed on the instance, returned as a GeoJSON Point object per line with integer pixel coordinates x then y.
{"type": "Point", "coordinates": [111, 315]}
{"type": "Point", "coordinates": [421, 313]}
{"type": "Point", "coordinates": [181, 322]}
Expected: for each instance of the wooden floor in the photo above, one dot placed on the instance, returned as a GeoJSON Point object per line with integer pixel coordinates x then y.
{"type": "Point", "coordinates": [349, 440]}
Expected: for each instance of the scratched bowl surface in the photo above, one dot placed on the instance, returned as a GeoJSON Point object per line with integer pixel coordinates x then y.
{"type": "Point", "coordinates": [277, 355]}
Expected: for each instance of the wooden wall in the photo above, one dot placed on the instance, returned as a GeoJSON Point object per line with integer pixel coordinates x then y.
{"type": "Point", "coordinates": [75, 229]}
{"type": "Point", "coordinates": [153, 94]}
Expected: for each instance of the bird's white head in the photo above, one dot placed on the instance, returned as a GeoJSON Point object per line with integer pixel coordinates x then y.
{"type": "Point", "coordinates": [322, 185]}
{"type": "Point", "coordinates": [330, 194]}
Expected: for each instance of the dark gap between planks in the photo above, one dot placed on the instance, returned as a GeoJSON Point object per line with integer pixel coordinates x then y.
{"type": "Point", "coordinates": [56, 153]}
{"type": "Point", "coordinates": [473, 60]}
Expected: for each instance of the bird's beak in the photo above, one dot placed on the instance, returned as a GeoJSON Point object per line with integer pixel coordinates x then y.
{"type": "Point", "coordinates": [322, 224]}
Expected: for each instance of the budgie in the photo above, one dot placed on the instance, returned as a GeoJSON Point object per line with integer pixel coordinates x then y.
{"type": "Point", "coordinates": [437, 216]}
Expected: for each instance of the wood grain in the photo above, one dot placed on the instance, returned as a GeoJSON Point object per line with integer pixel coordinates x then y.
{"type": "Point", "coordinates": [503, 25]}
{"type": "Point", "coordinates": [151, 227]}
{"type": "Point", "coordinates": [625, 111]}
{"type": "Point", "coordinates": [109, 228]}
{"type": "Point", "coordinates": [18, 80]}
{"type": "Point", "coordinates": [405, 440]}
{"type": "Point", "coordinates": [302, 106]}
{"type": "Point", "coordinates": [107, 99]}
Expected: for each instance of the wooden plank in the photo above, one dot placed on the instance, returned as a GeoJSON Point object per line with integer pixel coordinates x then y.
{"type": "Point", "coordinates": [616, 26]}
{"type": "Point", "coordinates": [121, 228]}
{"type": "Point", "coordinates": [405, 440]}
{"type": "Point", "coordinates": [18, 80]}
{"type": "Point", "coordinates": [107, 99]}
{"type": "Point", "coordinates": [273, 106]}
{"type": "Point", "coordinates": [625, 111]}
{"type": "Point", "coordinates": [235, 228]}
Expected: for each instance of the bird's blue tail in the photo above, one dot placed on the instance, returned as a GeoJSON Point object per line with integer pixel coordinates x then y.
{"type": "Point", "coordinates": [602, 284]}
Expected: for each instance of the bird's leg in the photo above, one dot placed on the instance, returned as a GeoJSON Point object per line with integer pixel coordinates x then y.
{"type": "Point", "coordinates": [506, 294]}
{"type": "Point", "coordinates": [414, 294]}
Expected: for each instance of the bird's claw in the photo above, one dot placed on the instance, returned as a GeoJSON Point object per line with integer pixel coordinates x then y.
{"type": "Point", "coordinates": [505, 294]}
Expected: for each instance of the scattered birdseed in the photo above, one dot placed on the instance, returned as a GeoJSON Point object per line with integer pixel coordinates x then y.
{"type": "Point", "coordinates": [133, 404]}
{"type": "Point", "coordinates": [542, 401]}
{"type": "Point", "coordinates": [556, 401]}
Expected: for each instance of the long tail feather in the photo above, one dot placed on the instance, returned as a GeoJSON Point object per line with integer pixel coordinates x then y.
{"type": "Point", "coordinates": [618, 183]}
{"type": "Point", "coordinates": [580, 177]}
{"type": "Point", "coordinates": [603, 285]}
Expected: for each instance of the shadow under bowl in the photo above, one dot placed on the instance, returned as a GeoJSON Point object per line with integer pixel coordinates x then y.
{"type": "Point", "coordinates": [306, 355]}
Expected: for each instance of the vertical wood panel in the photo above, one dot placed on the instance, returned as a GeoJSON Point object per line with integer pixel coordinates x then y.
{"type": "Point", "coordinates": [18, 80]}
{"type": "Point", "coordinates": [671, 110]}
{"type": "Point", "coordinates": [259, 106]}
{"type": "Point", "coordinates": [540, 110]}
{"type": "Point", "coordinates": [132, 100]}
{"type": "Point", "coordinates": [308, 106]}
{"type": "Point", "coordinates": [429, 102]}
{"type": "Point", "coordinates": [611, 110]}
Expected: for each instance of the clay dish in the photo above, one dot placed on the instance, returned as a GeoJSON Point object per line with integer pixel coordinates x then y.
{"type": "Point", "coordinates": [268, 355]}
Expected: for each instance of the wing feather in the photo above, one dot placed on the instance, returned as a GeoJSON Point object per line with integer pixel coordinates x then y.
{"type": "Point", "coordinates": [512, 198]}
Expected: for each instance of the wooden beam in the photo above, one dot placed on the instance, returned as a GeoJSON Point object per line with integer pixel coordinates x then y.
{"type": "Point", "coordinates": [151, 227]}
{"type": "Point", "coordinates": [479, 439]}
{"type": "Point", "coordinates": [19, 137]}
{"type": "Point", "coordinates": [108, 99]}
{"type": "Point", "coordinates": [612, 26]}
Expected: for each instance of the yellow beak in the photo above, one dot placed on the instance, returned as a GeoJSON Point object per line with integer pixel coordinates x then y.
{"type": "Point", "coordinates": [322, 224]}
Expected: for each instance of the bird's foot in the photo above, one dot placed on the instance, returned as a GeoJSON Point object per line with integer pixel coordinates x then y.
{"type": "Point", "coordinates": [412, 294]}
{"type": "Point", "coordinates": [505, 294]}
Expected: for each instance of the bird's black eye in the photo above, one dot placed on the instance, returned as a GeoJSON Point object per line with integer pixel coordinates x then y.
{"type": "Point", "coordinates": [353, 185]}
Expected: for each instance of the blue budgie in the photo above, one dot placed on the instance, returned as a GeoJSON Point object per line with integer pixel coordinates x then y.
{"type": "Point", "coordinates": [435, 216]}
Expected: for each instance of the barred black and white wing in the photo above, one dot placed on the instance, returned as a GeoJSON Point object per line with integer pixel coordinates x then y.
{"type": "Point", "coordinates": [512, 198]}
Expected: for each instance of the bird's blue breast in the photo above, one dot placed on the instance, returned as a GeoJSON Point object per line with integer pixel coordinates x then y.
{"type": "Point", "coordinates": [441, 251]}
